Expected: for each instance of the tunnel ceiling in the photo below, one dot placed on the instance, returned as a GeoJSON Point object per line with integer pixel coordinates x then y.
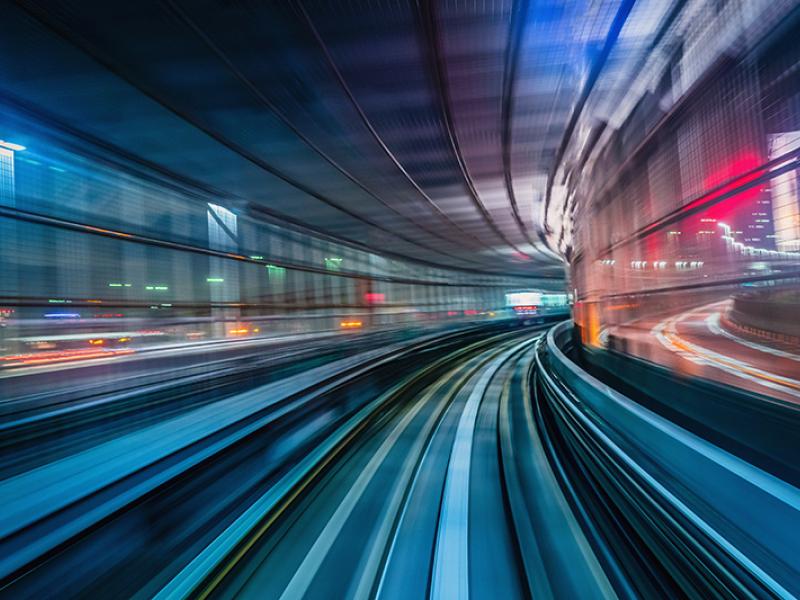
{"type": "Point", "coordinates": [429, 131]}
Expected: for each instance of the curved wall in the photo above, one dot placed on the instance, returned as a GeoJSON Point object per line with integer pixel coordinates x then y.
{"type": "Point", "coordinates": [90, 243]}
{"type": "Point", "coordinates": [692, 204]}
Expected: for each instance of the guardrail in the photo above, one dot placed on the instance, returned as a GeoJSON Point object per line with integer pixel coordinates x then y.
{"type": "Point", "coordinates": [675, 513]}
{"type": "Point", "coordinates": [767, 317]}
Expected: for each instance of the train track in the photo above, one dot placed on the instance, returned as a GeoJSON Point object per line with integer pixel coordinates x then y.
{"type": "Point", "coordinates": [480, 464]}
{"type": "Point", "coordinates": [161, 495]}
{"type": "Point", "coordinates": [427, 497]}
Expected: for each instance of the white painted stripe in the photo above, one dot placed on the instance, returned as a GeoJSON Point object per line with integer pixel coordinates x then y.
{"type": "Point", "coordinates": [373, 551]}
{"type": "Point", "coordinates": [451, 562]}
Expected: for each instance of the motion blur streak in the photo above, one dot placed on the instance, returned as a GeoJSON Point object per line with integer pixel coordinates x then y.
{"type": "Point", "coordinates": [286, 287]}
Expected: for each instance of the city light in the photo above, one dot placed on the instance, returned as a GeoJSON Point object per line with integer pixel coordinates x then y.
{"type": "Point", "coordinates": [374, 298]}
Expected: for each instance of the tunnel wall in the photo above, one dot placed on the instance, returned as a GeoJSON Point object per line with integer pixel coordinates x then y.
{"type": "Point", "coordinates": [91, 243]}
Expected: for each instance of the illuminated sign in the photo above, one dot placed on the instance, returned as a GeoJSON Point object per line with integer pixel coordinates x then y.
{"type": "Point", "coordinates": [374, 298]}
{"type": "Point", "coordinates": [523, 299]}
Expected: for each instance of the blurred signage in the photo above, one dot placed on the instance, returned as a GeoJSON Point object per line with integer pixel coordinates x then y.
{"type": "Point", "coordinates": [374, 298]}
{"type": "Point", "coordinates": [523, 299]}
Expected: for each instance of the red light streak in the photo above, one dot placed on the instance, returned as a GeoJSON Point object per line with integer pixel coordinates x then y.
{"type": "Point", "coordinates": [44, 358]}
{"type": "Point", "coordinates": [753, 169]}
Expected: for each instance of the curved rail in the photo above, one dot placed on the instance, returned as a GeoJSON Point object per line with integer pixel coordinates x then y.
{"type": "Point", "coordinates": [478, 464]}
{"type": "Point", "coordinates": [63, 505]}
{"type": "Point", "coordinates": [441, 490]}
{"type": "Point", "coordinates": [670, 512]}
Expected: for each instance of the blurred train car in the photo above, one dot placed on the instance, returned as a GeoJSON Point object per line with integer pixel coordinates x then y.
{"type": "Point", "coordinates": [532, 307]}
